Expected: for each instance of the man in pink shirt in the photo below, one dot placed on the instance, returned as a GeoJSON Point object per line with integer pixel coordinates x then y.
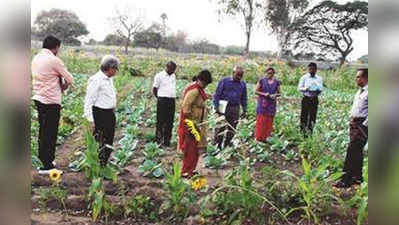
{"type": "Point", "coordinates": [50, 79]}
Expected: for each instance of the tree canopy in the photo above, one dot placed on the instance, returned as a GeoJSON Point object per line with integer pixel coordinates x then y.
{"type": "Point", "coordinates": [63, 24]}
{"type": "Point", "coordinates": [328, 26]}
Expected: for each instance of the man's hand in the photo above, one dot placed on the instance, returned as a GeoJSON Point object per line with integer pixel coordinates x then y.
{"type": "Point", "coordinates": [64, 86]}
{"type": "Point", "coordinates": [92, 126]}
{"type": "Point", "coordinates": [244, 115]}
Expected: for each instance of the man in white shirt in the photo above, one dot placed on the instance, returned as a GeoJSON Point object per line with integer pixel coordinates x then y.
{"type": "Point", "coordinates": [164, 89]}
{"type": "Point", "coordinates": [100, 102]}
{"type": "Point", "coordinates": [311, 85]}
{"type": "Point", "coordinates": [358, 134]}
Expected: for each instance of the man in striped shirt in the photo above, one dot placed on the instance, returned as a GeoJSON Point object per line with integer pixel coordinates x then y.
{"type": "Point", "coordinates": [50, 79]}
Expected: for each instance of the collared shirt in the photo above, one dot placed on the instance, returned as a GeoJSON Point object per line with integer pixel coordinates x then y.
{"type": "Point", "coordinates": [166, 84]}
{"type": "Point", "coordinates": [234, 92]}
{"type": "Point", "coordinates": [47, 71]}
{"type": "Point", "coordinates": [314, 85]}
{"type": "Point", "coordinates": [100, 92]}
{"type": "Point", "coordinates": [360, 107]}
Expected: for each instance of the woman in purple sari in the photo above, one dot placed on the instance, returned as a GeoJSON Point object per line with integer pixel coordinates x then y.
{"type": "Point", "coordinates": [267, 89]}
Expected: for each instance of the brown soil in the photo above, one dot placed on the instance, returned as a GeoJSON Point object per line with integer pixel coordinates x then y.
{"type": "Point", "coordinates": [131, 183]}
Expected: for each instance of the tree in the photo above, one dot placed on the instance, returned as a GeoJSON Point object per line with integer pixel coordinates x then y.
{"type": "Point", "coordinates": [281, 16]}
{"type": "Point", "coordinates": [63, 24]}
{"type": "Point", "coordinates": [175, 42]}
{"type": "Point", "coordinates": [245, 9]}
{"type": "Point", "coordinates": [205, 47]}
{"type": "Point", "coordinates": [113, 39]}
{"type": "Point", "coordinates": [149, 38]}
{"type": "Point", "coordinates": [92, 42]}
{"type": "Point", "coordinates": [164, 17]}
{"type": "Point", "coordinates": [127, 25]}
{"type": "Point", "coordinates": [328, 26]}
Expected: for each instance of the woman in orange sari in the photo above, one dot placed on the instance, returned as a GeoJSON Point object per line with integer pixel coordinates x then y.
{"type": "Point", "coordinates": [193, 108]}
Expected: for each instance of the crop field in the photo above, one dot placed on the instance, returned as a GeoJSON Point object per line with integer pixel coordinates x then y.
{"type": "Point", "coordinates": [286, 181]}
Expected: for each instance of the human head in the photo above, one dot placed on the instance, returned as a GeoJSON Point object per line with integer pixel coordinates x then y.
{"type": "Point", "coordinates": [170, 67]}
{"type": "Point", "coordinates": [109, 65]}
{"type": "Point", "coordinates": [238, 72]}
{"type": "Point", "coordinates": [52, 43]}
{"type": "Point", "coordinates": [312, 68]}
{"type": "Point", "coordinates": [270, 72]}
{"type": "Point", "coordinates": [204, 78]}
{"type": "Point", "coordinates": [362, 77]}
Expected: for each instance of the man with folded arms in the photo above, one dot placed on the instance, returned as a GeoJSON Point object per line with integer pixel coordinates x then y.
{"type": "Point", "coordinates": [50, 79]}
{"type": "Point", "coordinates": [358, 133]}
{"type": "Point", "coordinates": [100, 103]}
{"type": "Point", "coordinates": [164, 89]}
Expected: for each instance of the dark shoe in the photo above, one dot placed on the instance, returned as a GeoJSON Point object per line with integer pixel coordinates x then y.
{"type": "Point", "coordinates": [342, 184]}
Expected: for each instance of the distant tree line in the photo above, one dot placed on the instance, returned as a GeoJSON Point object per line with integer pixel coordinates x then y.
{"type": "Point", "coordinates": [324, 30]}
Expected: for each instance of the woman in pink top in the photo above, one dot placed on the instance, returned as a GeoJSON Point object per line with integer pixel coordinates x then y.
{"type": "Point", "coordinates": [50, 79]}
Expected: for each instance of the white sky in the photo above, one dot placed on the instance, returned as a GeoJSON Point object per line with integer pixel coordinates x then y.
{"type": "Point", "coordinates": [198, 18]}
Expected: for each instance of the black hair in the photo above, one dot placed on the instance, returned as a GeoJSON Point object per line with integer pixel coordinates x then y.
{"type": "Point", "coordinates": [195, 78]}
{"type": "Point", "coordinates": [51, 42]}
{"type": "Point", "coordinates": [312, 64]}
{"type": "Point", "coordinates": [171, 63]}
{"type": "Point", "coordinates": [270, 68]}
{"type": "Point", "coordinates": [365, 72]}
{"type": "Point", "coordinates": [204, 76]}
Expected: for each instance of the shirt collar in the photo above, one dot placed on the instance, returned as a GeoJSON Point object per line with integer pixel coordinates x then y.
{"type": "Point", "coordinates": [231, 79]}
{"type": "Point", "coordinates": [166, 73]}
{"type": "Point", "coordinates": [103, 76]}
{"type": "Point", "coordinates": [366, 87]}
{"type": "Point", "coordinates": [47, 51]}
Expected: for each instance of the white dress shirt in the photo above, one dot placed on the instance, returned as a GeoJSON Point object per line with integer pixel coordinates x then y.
{"type": "Point", "coordinates": [166, 84]}
{"type": "Point", "coordinates": [309, 85]}
{"type": "Point", "coordinates": [100, 93]}
{"type": "Point", "coordinates": [360, 107]}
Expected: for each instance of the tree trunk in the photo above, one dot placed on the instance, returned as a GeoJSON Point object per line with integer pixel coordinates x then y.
{"type": "Point", "coordinates": [342, 59]}
{"type": "Point", "coordinates": [246, 52]}
{"type": "Point", "coordinates": [127, 45]}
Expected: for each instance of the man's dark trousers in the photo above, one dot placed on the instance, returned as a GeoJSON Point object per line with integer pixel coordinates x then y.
{"type": "Point", "coordinates": [232, 115]}
{"type": "Point", "coordinates": [165, 116]}
{"type": "Point", "coordinates": [104, 132]}
{"type": "Point", "coordinates": [308, 113]}
{"type": "Point", "coordinates": [49, 117]}
{"type": "Point", "coordinates": [353, 165]}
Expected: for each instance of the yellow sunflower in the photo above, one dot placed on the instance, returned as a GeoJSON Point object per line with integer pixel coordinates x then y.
{"type": "Point", "coordinates": [203, 182]}
{"type": "Point", "coordinates": [196, 184]}
{"type": "Point", "coordinates": [193, 129]}
{"type": "Point", "coordinates": [199, 183]}
{"type": "Point", "coordinates": [55, 175]}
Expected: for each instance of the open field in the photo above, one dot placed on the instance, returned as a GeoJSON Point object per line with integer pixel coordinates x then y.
{"type": "Point", "coordinates": [287, 181]}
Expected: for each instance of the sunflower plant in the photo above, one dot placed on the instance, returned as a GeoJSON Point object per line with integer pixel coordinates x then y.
{"type": "Point", "coordinates": [192, 127]}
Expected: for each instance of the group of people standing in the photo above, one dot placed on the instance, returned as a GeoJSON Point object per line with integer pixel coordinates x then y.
{"type": "Point", "coordinates": [51, 78]}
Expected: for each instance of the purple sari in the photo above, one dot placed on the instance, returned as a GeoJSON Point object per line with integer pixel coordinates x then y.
{"type": "Point", "coordinates": [267, 105]}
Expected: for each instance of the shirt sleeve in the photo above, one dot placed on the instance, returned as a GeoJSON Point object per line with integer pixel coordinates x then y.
{"type": "Point", "coordinates": [188, 102]}
{"type": "Point", "coordinates": [218, 94]}
{"type": "Point", "coordinates": [301, 84]}
{"type": "Point", "coordinates": [90, 99]}
{"type": "Point", "coordinates": [244, 98]}
{"type": "Point", "coordinates": [157, 81]}
{"type": "Point", "coordinates": [60, 68]}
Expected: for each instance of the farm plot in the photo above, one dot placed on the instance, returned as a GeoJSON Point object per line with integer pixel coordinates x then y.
{"type": "Point", "coordinates": [286, 181]}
